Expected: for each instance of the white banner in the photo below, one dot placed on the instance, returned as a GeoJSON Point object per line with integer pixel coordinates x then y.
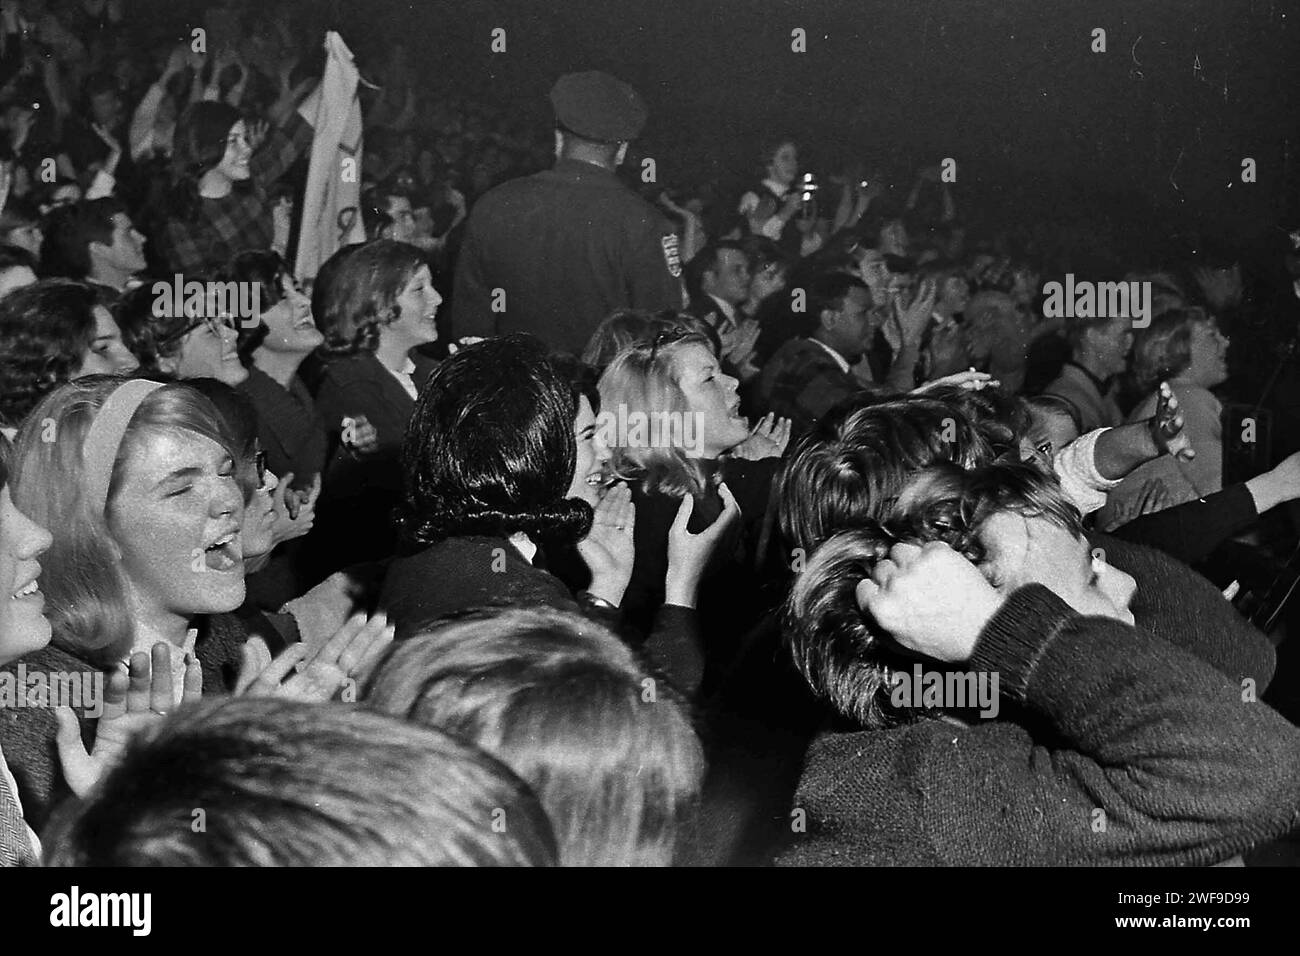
{"type": "Point", "coordinates": [331, 215]}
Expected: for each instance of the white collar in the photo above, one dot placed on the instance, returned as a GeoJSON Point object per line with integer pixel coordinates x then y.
{"type": "Point", "coordinates": [403, 376]}
{"type": "Point", "coordinates": [840, 360]}
{"type": "Point", "coordinates": [726, 308]}
{"type": "Point", "coordinates": [525, 545]}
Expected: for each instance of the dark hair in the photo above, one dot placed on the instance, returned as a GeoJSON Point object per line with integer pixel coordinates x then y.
{"type": "Point", "coordinates": [148, 334]}
{"type": "Point", "coordinates": [69, 231]}
{"type": "Point", "coordinates": [1000, 417]}
{"type": "Point", "coordinates": [826, 291]}
{"type": "Point", "coordinates": [840, 651]}
{"type": "Point", "coordinates": [769, 149]}
{"type": "Point", "coordinates": [490, 448]}
{"type": "Point", "coordinates": [763, 252]}
{"type": "Point", "coordinates": [706, 260]}
{"type": "Point", "coordinates": [326, 299]}
{"type": "Point", "coordinates": [199, 145]}
{"type": "Point", "coordinates": [560, 699]}
{"type": "Point", "coordinates": [45, 330]}
{"type": "Point", "coordinates": [374, 207]}
{"type": "Point", "coordinates": [850, 471]}
{"type": "Point", "coordinates": [284, 783]}
{"type": "Point", "coordinates": [363, 294]}
{"type": "Point", "coordinates": [583, 379]}
{"type": "Point", "coordinates": [268, 270]}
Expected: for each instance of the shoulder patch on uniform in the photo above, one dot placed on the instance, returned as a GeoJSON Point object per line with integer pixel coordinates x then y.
{"type": "Point", "coordinates": [670, 255]}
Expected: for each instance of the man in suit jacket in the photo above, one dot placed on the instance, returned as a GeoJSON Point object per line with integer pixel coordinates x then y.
{"type": "Point", "coordinates": [1099, 353]}
{"type": "Point", "coordinates": [809, 376]}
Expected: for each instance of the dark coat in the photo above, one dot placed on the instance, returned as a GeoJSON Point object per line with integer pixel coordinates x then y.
{"type": "Point", "coordinates": [459, 574]}
{"type": "Point", "coordinates": [567, 246]}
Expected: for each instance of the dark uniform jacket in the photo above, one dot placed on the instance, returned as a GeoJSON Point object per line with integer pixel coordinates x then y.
{"type": "Point", "coordinates": [567, 246]}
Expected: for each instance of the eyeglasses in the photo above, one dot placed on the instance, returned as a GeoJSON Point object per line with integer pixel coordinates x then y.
{"type": "Point", "coordinates": [215, 324]}
{"type": "Point", "coordinates": [667, 337]}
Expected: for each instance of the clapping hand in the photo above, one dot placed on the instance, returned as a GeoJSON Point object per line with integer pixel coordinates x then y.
{"type": "Point", "coordinates": [689, 554]}
{"type": "Point", "coordinates": [609, 547]}
{"type": "Point", "coordinates": [768, 439]}
{"type": "Point", "coordinates": [1167, 427]}
{"type": "Point", "coordinates": [319, 671]}
{"type": "Point", "coordinates": [133, 700]}
{"type": "Point", "coordinates": [912, 318]}
{"type": "Point", "coordinates": [295, 511]}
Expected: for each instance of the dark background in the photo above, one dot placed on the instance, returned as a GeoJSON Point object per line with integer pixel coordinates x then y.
{"type": "Point", "coordinates": [1150, 133]}
{"type": "Point", "coordinates": [1011, 90]}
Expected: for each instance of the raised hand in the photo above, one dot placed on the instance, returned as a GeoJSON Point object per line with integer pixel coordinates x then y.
{"type": "Point", "coordinates": [608, 549]}
{"type": "Point", "coordinates": [930, 599]}
{"type": "Point", "coordinates": [738, 344]}
{"type": "Point", "coordinates": [1167, 427]}
{"type": "Point", "coordinates": [689, 554]}
{"type": "Point", "coordinates": [768, 439]}
{"type": "Point", "coordinates": [319, 671]}
{"type": "Point", "coordinates": [133, 700]}
{"type": "Point", "coordinates": [972, 380]}
{"type": "Point", "coordinates": [359, 436]}
{"type": "Point", "coordinates": [1221, 287]}
{"type": "Point", "coordinates": [295, 513]}
{"type": "Point", "coordinates": [257, 134]}
{"type": "Point", "coordinates": [913, 318]}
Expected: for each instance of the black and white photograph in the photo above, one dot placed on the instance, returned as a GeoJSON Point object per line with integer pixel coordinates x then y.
{"type": "Point", "coordinates": [748, 434]}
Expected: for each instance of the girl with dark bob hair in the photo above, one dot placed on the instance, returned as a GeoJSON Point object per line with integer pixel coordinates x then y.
{"type": "Point", "coordinates": [178, 346]}
{"type": "Point", "coordinates": [274, 351]}
{"type": "Point", "coordinates": [511, 471]}
{"type": "Point", "coordinates": [220, 199]}
{"type": "Point", "coordinates": [379, 307]}
{"type": "Point", "coordinates": [51, 332]}
{"type": "Point", "coordinates": [503, 460]}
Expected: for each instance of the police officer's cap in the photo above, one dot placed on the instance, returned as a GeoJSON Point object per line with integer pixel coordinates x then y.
{"type": "Point", "coordinates": [597, 106]}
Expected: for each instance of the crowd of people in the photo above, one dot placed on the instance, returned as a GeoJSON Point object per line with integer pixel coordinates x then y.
{"type": "Point", "coordinates": [558, 525]}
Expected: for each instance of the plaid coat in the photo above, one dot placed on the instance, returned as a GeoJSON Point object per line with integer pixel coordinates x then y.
{"type": "Point", "coordinates": [802, 382]}
{"type": "Point", "coordinates": [241, 219]}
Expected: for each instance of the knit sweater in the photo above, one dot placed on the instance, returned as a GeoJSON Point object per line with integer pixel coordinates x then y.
{"type": "Point", "coordinates": [1141, 753]}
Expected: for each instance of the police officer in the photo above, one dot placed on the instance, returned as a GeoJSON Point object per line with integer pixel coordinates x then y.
{"type": "Point", "coordinates": [555, 253]}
